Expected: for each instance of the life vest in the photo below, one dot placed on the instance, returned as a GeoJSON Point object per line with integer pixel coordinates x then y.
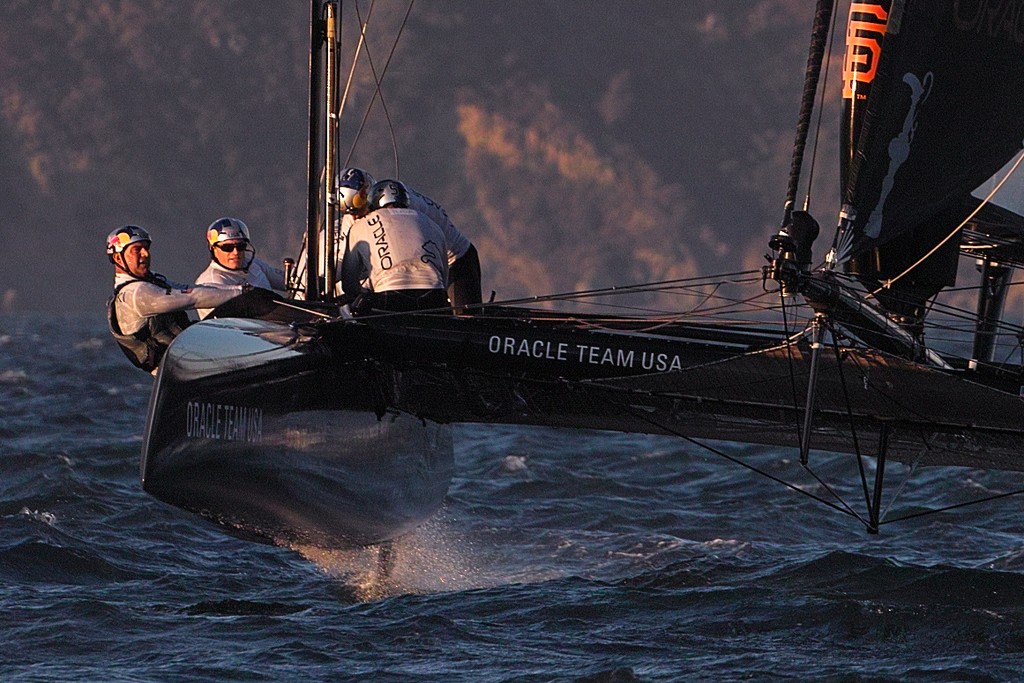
{"type": "Point", "coordinates": [146, 347]}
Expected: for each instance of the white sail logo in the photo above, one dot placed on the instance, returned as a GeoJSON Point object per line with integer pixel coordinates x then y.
{"type": "Point", "coordinates": [899, 147]}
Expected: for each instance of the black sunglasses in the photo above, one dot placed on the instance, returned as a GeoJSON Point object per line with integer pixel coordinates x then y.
{"type": "Point", "coordinates": [231, 247]}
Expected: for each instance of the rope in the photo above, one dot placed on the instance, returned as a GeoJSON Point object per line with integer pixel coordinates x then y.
{"type": "Point", "coordinates": [849, 414]}
{"type": "Point", "coordinates": [955, 506]}
{"type": "Point", "coordinates": [840, 506]}
{"type": "Point", "coordinates": [355, 59]}
{"type": "Point", "coordinates": [819, 36]}
{"type": "Point", "coordinates": [791, 368]}
{"type": "Point", "coordinates": [888, 283]}
{"type": "Point", "coordinates": [844, 509]}
{"type": "Point", "coordinates": [378, 81]}
{"type": "Point", "coordinates": [821, 111]}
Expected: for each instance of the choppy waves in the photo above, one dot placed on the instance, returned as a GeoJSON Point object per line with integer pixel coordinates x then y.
{"type": "Point", "coordinates": [586, 557]}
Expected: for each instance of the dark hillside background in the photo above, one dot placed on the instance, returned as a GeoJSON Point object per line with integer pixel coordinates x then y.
{"type": "Point", "coordinates": [578, 144]}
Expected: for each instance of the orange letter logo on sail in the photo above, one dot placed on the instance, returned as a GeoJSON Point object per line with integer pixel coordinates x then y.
{"type": "Point", "coordinates": [863, 45]}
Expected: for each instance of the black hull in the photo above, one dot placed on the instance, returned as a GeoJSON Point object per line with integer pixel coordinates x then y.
{"type": "Point", "coordinates": [278, 442]}
{"type": "Point", "coordinates": [335, 433]}
{"type": "Point", "coordinates": [686, 379]}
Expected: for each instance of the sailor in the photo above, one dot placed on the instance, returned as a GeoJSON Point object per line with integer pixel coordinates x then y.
{"type": "Point", "coordinates": [395, 256]}
{"type": "Point", "coordinates": [354, 196]}
{"type": "Point", "coordinates": [463, 261]}
{"type": "Point", "coordinates": [146, 311]}
{"type": "Point", "coordinates": [233, 259]}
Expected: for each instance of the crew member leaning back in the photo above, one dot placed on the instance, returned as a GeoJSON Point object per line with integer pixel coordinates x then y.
{"type": "Point", "coordinates": [147, 311]}
{"type": "Point", "coordinates": [233, 260]}
{"type": "Point", "coordinates": [463, 261]}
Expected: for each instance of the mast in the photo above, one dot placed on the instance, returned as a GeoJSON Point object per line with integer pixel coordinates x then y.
{"type": "Point", "coordinates": [313, 291]}
{"type": "Point", "coordinates": [819, 39]}
{"type": "Point", "coordinates": [321, 151]}
{"type": "Point", "coordinates": [793, 242]}
{"type": "Point", "coordinates": [329, 197]}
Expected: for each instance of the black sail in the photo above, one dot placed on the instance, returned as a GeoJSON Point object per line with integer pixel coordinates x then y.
{"type": "Point", "coordinates": [865, 33]}
{"type": "Point", "coordinates": [943, 114]}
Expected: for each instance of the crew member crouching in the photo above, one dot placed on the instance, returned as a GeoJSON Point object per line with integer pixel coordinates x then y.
{"type": "Point", "coordinates": [395, 257]}
{"type": "Point", "coordinates": [354, 188]}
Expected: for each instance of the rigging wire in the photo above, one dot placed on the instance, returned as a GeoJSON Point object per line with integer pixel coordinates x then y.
{"type": "Point", "coordinates": [844, 509]}
{"type": "Point", "coordinates": [911, 471]}
{"type": "Point", "coordinates": [841, 506]}
{"type": "Point", "coordinates": [849, 413]}
{"type": "Point", "coordinates": [821, 108]}
{"type": "Point", "coordinates": [822, 19]}
{"type": "Point", "coordinates": [791, 368]}
{"type": "Point", "coordinates": [950, 312]}
{"type": "Point", "coordinates": [645, 287]}
{"type": "Point", "coordinates": [355, 58]}
{"type": "Point", "coordinates": [729, 306]}
{"type": "Point", "coordinates": [955, 506]}
{"type": "Point", "coordinates": [378, 82]}
{"type": "Point", "coordinates": [888, 283]}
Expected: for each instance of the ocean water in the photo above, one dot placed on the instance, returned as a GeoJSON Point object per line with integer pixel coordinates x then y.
{"type": "Point", "coordinates": [559, 557]}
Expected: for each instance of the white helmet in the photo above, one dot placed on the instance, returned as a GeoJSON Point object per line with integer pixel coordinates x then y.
{"type": "Point", "coordinates": [353, 188]}
{"type": "Point", "coordinates": [225, 230]}
{"type": "Point", "coordinates": [389, 193]}
{"type": "Point", "coordinates": [123, 236]}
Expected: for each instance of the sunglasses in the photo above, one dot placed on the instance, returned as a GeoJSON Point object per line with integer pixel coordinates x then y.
{"type": "Point", "coordinates": [231, 247]}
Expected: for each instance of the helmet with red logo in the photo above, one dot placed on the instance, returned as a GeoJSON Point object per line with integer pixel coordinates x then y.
{"type": "Point", "coordinates": [353, 190]}
{"type": "Point", "coordinates": [119, 239]}
{"type": "Point", "coordinates": [226, 230]}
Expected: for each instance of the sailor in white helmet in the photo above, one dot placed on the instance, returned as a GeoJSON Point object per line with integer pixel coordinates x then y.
{"type": "Point", "coordinates": [395, 256]}
{"type": "Point", "coordinates": [146, 311]}
{"type": "Point", "coordinates": [233, 259]}
{"type": "Point", "coordinates": [463, 261]}
{"type": "Point", "coordinates": [353, 194]}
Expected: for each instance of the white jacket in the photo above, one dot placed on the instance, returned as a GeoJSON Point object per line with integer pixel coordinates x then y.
{"type": "Point", "coordinates": [394, 249]}
{"type": "Point", "coordinates": [259, 274]}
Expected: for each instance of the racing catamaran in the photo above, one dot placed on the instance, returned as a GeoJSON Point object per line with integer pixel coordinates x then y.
{"type": "Point", "coordinates": [298, 423]}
